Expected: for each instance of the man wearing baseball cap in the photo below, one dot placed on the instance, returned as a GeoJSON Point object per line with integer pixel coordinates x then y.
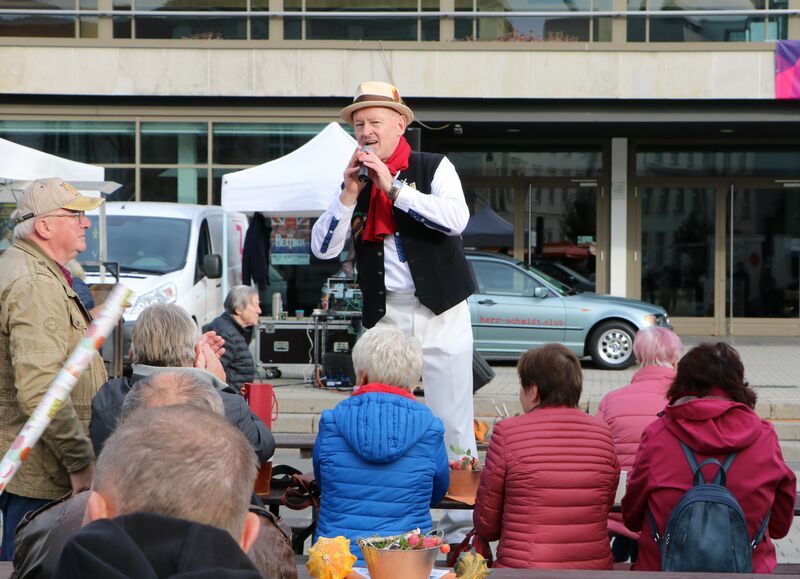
{"type": "Point", "coordinates": [41, 321]}
{"type": "Point", "coordinates": [405, 211]}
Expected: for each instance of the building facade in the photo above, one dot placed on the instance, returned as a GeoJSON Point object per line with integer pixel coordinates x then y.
{"type": "Point", "coordinates": [638, 142]}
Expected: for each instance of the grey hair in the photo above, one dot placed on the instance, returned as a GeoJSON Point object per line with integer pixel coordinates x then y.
{"type": "Point", "coordinates": [164, 335]}
{"type": "Point", "coordinates": [23, 229]}
{"type": "Point", "coordinates": [165, 460]}
{"type": "Point", "coordinates": [239, 297]}
{"type": "Point", "coordinates": [388, 356]}
{"type": "Point", "coordinates": [169, 387]}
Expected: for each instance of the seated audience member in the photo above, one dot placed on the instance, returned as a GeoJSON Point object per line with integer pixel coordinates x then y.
{"type": "Point", "coordinates": [379, 458]}
{"type": "Point", "coordinates": [711, 411]}
{"type": "Point", "coordinates": [41, 536]}
{"type": "Point", "coordinates": [165, 336]}
{"type": "Point", "coordinates": [628, 411]}
{"type": "Point", "coordinates": [550, 475]}
{"type": "Point", "coordinates": [235, 326]}
{"type": "Point", "coordinates": [170, 497]}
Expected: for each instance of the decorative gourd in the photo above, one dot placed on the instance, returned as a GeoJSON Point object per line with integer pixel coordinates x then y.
{"type": "Point", "coordinates": [330, 558]}
{"type": "Point", "coordinates": [471, 565]}
{"type": "Point", "coordinates": [481, 430]}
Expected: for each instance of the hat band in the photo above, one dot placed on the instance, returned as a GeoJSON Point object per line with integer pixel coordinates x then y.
{"type": "Point", "coordinates": [374, 97]}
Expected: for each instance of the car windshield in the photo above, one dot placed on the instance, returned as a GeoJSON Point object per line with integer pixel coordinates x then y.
{"type": "Point", "coordinates": [140, 244]}
{"type": "Point", "coordinates": [562, 288]}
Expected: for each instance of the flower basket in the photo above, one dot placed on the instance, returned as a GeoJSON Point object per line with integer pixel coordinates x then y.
{"type": "Point", "coordinates": [394, 558]}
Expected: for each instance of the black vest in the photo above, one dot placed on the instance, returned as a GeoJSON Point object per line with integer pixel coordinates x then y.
{"type": "Point", "coordinates": [441, 275]}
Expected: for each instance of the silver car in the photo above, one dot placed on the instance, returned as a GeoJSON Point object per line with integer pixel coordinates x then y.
{"type": "Point", "coordinates": [516, 308]}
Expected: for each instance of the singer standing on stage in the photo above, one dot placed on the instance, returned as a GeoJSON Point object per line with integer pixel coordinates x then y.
{"type": "Point", "coordinates": [406, 220]}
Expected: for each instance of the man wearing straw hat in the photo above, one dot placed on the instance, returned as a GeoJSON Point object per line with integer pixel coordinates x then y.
{"type": "Point", "coordinates": [41, 322]}
{"type": "Point", "coordinates": [405, 211]}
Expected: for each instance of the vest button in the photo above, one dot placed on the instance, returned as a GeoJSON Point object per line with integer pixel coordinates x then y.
{"type": "Point", "coordinates": [381, 292]}
{"type": "Point", "coordinates": [379, 272]}
{"type": "Point", "coordinates": [381, 311]}
{"type": "Point", "coordinates": [380, 254]}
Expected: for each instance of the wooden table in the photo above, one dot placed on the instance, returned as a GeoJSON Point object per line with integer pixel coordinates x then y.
{"type": "Point", "coordinates": [305, 442]}
{"type": "Point", "coordinates": [794, 570]}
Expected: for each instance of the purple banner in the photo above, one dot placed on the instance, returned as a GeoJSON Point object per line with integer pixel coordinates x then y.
{"type": "Point", "coordinates": [787, 70]}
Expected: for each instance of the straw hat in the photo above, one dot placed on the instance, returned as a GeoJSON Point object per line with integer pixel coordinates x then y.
{"type": "Point", "coordinates": [377, 94]}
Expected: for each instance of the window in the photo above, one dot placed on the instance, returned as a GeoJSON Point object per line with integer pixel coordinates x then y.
{"type": "Point", "coordinates": [673, 27]}
{"type": "Point", "coordinates": [203, 249]}
{"type": "Point", "coordinates": [502, 279]}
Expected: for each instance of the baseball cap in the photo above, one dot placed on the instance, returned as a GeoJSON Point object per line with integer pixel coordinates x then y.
{"type": "Point", "coordinates": [45, 195]}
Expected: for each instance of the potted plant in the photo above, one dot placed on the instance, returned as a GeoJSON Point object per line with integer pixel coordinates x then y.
{"type": "Point", "coordinates": [465, 474]}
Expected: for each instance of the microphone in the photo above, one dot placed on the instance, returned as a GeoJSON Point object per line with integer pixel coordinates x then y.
{"type": "Point", "coordinates": [363, 172]}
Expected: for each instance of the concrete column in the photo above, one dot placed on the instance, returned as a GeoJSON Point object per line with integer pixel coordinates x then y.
{"type": "Point", "coordinates": [794, 22]}
{"type": "Point", "coordinates": [105, 25]}
{"type": "Point", "coordinates": [276, 24]}
{"type": "Point", "coordinates": [619, 26]}
{"type": "Point", "coordinates": [618, 246]}
{"type": "Point", "coordinates": [447, 25]}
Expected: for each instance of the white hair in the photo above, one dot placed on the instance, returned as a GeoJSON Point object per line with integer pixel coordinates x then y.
{"type": "Point", "coordinates": [388, 356]}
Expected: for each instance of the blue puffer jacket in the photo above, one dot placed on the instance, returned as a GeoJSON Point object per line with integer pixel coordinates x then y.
{"type": "Point", "coordinates": [381, 464]}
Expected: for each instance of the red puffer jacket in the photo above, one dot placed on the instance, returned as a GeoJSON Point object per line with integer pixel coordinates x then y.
{"type": "Point", "coordinates": [712, 427]}
{"type": "Point", "coordinates": [546, 489]}
{"type": "Point", "coordinates": [628, 411]}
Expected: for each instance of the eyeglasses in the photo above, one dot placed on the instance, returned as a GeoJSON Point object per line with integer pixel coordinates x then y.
{"type": "Point", "coordinates": [77, 215]}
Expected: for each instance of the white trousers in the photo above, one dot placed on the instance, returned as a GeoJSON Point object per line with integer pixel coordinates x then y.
{"type": "Point", "coordinates": [447, 370]}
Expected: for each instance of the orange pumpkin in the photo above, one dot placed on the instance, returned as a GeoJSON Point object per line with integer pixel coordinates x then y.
{"type": "Point", "coordinates": [330, 558]}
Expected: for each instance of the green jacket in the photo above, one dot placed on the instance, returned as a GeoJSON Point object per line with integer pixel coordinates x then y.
{"type": "Point", "coordinates": [41, 322]}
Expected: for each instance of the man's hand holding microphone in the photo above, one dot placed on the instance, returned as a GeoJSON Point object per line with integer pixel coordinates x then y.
{"type": "Point", "coordinates": [364, 165]}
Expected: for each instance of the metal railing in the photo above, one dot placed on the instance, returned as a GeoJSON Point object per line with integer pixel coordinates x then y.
{"type": "Point", "coordinates": [766, 12]}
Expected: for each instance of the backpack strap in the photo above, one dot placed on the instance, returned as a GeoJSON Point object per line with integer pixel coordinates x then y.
{"type": "Point", "coordinates": [720, 478]}
{"type": "Point", "coordinates": [762, 530]}
{"type": "Point", "coordinates": [653, 528]}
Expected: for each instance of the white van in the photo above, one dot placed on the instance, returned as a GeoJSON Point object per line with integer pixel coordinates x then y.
{"type": "Point", "coordinates": [168, 253]}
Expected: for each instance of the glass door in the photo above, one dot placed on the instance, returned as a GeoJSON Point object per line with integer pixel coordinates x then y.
{"type": "Point", "coordinates": [561, 232]}
{"type": "Point", "coordinates": [762, 246]}
{"type": "Point", "coordinates": [677, 257]}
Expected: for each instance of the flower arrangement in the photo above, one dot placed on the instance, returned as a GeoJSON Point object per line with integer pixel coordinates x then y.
{"type": "Point", "coordinates": [412, 541]}
{"type": "Point", "coordinates": [466, 462]}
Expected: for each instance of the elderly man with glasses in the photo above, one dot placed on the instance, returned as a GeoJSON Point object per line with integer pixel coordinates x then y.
{"type": "Point", "coordinates": [41, 321]}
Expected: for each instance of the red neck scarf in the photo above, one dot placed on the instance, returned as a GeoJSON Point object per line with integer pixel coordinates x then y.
{"type": "Point", "coordinates": [384, 388]}
{"type": "Point", "coordinates": [380, 221]}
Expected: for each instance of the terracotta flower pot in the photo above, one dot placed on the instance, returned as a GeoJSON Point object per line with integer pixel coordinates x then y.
{"type": "Point", "coordinates": [464, 483]}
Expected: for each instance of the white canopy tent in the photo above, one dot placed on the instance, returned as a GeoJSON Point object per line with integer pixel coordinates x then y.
{"type": "Point", "coordinates": [20, 165]}
{"type": "Point", "coordinates": [300, 184]}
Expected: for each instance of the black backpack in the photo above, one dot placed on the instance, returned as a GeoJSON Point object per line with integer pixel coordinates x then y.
{"type": "Point", "coordinates": [707, 530]}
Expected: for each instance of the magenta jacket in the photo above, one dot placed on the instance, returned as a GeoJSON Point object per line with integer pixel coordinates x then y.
{"type": "Point", "coordinates": [546, 489]}
{"type": "Point", "coordinates": [628, 411]}
{"type": "Point", "coordinates": [712, 427]}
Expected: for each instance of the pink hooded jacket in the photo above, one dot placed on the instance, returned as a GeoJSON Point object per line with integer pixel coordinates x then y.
{"type": "Point", "coordinates": [628, 411]}
{"type": "Point", "coordinates": [712, 427]}
{"type": "Point", "coordinates": [546, 489]}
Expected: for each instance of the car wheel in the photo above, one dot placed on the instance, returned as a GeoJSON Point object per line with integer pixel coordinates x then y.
{"type": "Point", "coordinates": [611, 345]}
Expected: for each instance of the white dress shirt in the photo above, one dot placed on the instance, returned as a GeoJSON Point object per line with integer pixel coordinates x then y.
{"type": "Point", "coordinates": [444, 210]}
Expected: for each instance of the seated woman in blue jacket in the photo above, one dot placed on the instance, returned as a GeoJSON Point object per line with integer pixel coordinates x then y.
{"type": "Point", "coordinates": [380, 458]}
